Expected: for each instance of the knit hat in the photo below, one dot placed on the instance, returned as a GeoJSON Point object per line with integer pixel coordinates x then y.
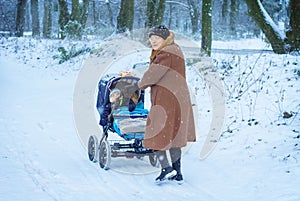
{"type": "Point", "coordinates": [159, 30]}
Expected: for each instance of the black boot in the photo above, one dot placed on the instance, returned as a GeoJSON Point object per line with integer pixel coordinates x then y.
{"type": "Point", "coordinates": [176, 164]}
{"type": "Point", "coordinates": [167, 171]}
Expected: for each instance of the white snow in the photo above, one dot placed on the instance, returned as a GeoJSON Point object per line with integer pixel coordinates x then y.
{"type": "Point", "coordinates": [42, 156]}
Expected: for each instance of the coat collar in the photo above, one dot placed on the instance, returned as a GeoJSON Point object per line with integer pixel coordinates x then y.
{"type": "Point", "coordinates": [168, 41]}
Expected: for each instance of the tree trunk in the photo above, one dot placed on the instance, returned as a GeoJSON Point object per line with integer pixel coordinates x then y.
{"type": "Point", "coordinates": [80, 12]}
{"type": "Point", "coordinates": [20, 20]}
{"type": "Point", "coordinates": [170, 14]}
{"type": "Point", "coordinates": [75, 10]}
{"type": "Point", "coordinates": [160, 12]}
{"type": "Point", "coordinates": [206, 29]}
{"type": "Point", "coordinates": [194, 14]}
{"type": "Point", "coordinates": [110, 14]}
{"type": "Point", "coordinates": [263, 20]}
{"type": "Point", "coordinates": [155, 12]}
{"type": "Point", "coordinates": [84, 13]}
{"type": "Point", "coordinates": [77, 20]}
{"type": "Point", "coordinates": [64, 16]}
{"type": "Point", "coordinates": [150, 13]}
{"type": "Point", "coordinates": [47, 20]}
{"type": "Point", "coordinates": [74, 28]}
{"type": "Point", "coordinates": [125, 17]}
{"type": "Point", "coordinates": [293, 35]}
{"type": "Point", "coordinates": [225, 9]}
{"type": "Point", "coordinates": [233, 16]}
{"type": "Point", "coordinates": [35, 18]}
{"type": "Point", "coordinates": [95, 13]}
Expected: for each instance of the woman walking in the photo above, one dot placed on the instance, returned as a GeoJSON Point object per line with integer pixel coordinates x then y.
{"type": "Point", "coordinates": [170, 123]}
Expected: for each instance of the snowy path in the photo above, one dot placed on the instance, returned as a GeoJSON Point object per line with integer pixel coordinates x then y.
{"type": "Point", "coordinates": [42, 157]}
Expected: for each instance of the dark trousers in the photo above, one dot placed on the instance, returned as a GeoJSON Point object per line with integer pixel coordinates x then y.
{"type": "Point", "coordinates": [175, 154]}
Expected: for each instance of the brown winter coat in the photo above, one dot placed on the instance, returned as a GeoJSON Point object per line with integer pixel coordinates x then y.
{"type": "Point", "coordinates": [170, 120]}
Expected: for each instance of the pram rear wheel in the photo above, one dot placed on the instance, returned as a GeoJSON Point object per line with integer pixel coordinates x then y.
{"type": "Point", "coordinates": [93, 148]}
{"type": "Point", "coordinates": [104, 155]}
{"type": "Point", "coordinates": [153, 160]}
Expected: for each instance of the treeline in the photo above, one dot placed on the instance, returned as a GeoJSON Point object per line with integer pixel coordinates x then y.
{"type": "Point", "coordinates": [201, 19]}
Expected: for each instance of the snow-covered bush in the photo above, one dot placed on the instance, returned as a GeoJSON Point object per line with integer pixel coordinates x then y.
{"type": "Point", "coordinates": [73, 30]}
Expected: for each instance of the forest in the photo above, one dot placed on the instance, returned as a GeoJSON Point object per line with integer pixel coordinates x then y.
{"type": "Point", "coordinates": [205, 20]}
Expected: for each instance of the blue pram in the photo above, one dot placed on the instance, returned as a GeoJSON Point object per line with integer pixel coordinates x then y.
{"type": "Point", "coordinates": [120, 104]}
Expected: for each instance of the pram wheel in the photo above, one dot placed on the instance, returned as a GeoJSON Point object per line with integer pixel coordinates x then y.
{"type": "Point", "coordinates": [153, 160]}
{"type": "Point", "coordinates": [104, 155]}
{"type": "Point", "coordinates": [93, 148]}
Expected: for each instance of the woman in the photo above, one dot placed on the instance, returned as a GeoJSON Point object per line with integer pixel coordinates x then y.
{"type": "Point", "coordinates": [170, 123]}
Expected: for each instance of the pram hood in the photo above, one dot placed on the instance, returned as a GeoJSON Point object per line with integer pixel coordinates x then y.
{"type": "Point", "coordinates": [126, 84]}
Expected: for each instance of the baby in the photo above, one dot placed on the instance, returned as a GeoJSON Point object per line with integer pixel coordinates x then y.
{"type": "Point", "coordinates": [114, 95]}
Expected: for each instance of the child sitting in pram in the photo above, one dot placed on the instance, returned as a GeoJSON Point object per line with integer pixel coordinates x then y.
{"type": "Point", "coordinates": [136, 101]}
{"type": "Point", "coordinates": [130, 118]}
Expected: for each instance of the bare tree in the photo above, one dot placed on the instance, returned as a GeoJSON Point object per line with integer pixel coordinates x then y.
{"type": "Point", "coordinates": [47, 19]}
{"type": "Point", "coordinates": [63, 16]}
{"type": "Point", "coordinates": [125, 17]}
{"type": "Point", "coordinates": [34, 8]}
{"type": "Point", "coordinates": [155, 12]}
{"type": "Point", "coordinates": [194, 6]}
{"type": "Point", "coordinates": [20, 20]}
{"type": "Point", "coordinates": [110, 13]}
{"type": "Point", "coordinates": [206, 30]}
{"type": "Point", "coordinates": [293, 34]}
{"type": "Point", "coordinates": [170, 14]}
{"type": "Point", "coordinates": [224, 9]}
{"type": "Point", "coordinates": [233, 15]}
{"type": "Point", "coordinates": [281, 42]}
{"type": "Point", "coordinates": [80, 11]}
{"type": "Point", "coordinates": [73, 24]}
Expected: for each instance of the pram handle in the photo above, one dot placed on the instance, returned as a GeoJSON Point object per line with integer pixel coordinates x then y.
{"type": "Point", "coordinates": [121, 116]}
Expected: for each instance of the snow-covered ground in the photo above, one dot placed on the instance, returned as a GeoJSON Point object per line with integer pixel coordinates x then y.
{"type": "Point", "coordinates": [42, 157]}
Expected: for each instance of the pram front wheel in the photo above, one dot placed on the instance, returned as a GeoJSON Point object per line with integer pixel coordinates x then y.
{"type": "Point", "coordinates": [93, 148]}
{"type": "Point", "coordinates": [104, 155]}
